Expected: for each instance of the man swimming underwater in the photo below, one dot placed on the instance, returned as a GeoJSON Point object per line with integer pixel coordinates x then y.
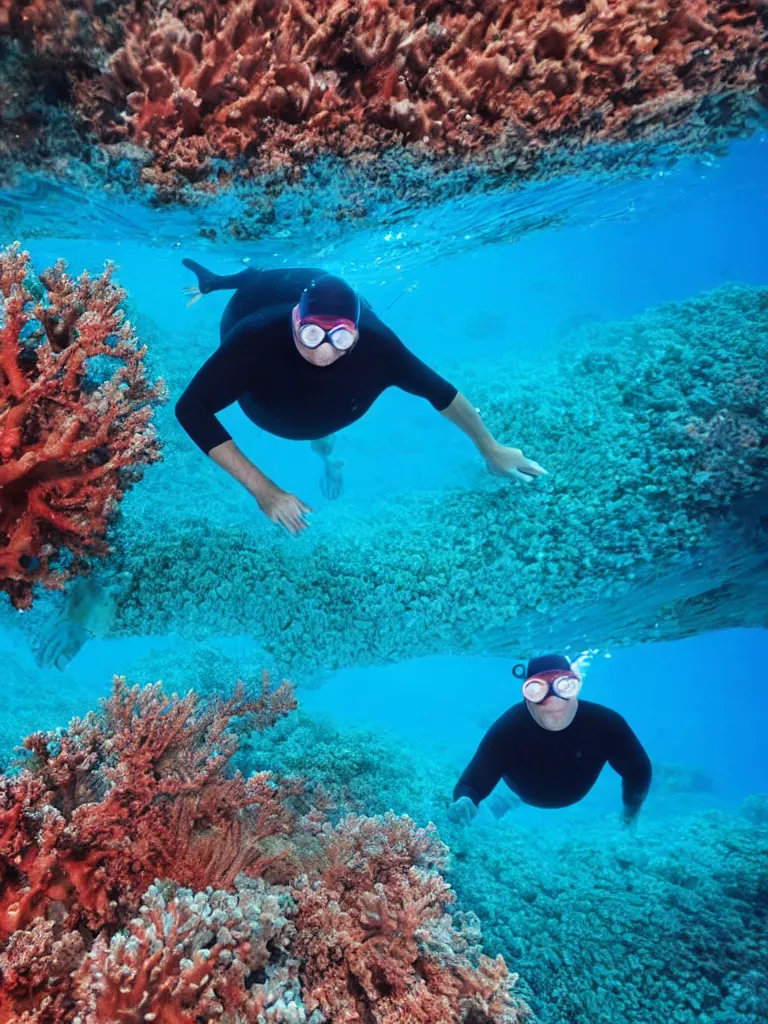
{"type": "Point", "coordinates": [304, 356]}
{"type": "Point", "coordinates": [550, 748]}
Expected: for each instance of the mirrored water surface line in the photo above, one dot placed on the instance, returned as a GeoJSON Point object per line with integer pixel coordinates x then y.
{"type": "Point", "coordinates": [404, 238]}
{"type": "Point", "coordinates": [729, 570]}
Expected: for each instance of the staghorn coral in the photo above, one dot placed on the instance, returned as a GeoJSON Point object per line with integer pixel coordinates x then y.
{"type": "Point", "coordinates": [72, 441]}
{"type": "Point", "coordinates": [143, 791]}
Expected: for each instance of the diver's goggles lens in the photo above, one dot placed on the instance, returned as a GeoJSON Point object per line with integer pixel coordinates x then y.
{"type": "Point", "coordinates": [341, 335]}
{"type": "Point", "coordinates": [342, 338]}
{"type": "Point", "coordinates": [537, 688]}
{"type": "Point", "coordinates": [312, 335]}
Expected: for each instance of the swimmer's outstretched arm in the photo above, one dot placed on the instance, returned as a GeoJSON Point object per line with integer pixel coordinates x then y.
{"type": "Point", "coordinates": [501, 461]}
{"type": "Point", "coordinates": [217, 385]}
{"type": "Point", "coordinates": [480, 777]}
{"type": "Point", "coordinates": [415, 377]}
{"type": "Point", "coordinates": [629, 759]}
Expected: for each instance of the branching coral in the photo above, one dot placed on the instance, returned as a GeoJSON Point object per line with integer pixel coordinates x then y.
{"type": "Point", "coordinates": [376, 938]}
{"type": "Point", "coordinates": [281, 82]}
{"type": "Point", "coordinates": [191, 957]}
{"type": "Point", "coordinates": [71, 440]}
{"type": "Point", "coordinates": [143, 791]}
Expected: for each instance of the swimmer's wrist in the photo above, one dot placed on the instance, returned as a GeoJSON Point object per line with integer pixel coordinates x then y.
{"type": "Point", "coordinates": [490, 449]}
{"type": "Point", "coordinates": [260, 485]}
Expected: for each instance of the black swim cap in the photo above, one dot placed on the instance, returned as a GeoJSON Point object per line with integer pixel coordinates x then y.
{"type": "Point", "coordinates": [329, 296]}
{"type": "Point", "coordinates": [548, 663]}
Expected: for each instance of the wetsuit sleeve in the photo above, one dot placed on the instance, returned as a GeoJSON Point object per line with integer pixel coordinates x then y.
{"type": "Point", "coordinates": [628, 757]}
{"type": "Point", "coordinates": [484, 771]}
{"type": "Point", "coordinates": [412, 375]}
{"type": "Point", "coordinates": [217, 384]}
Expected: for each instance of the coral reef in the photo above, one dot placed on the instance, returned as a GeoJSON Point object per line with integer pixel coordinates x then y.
{"type": "Point", "coordinates": [640, 531]}
{"type": "Point", "coordinates": [284, 83]}
{"type": "Point", "coordinates": [141, 878]}
{"type": "Point", "coordinates": [377, 941]}
{"type": "Point", "coordinates": [683, 900]}
{"type": "Point", "coordinates": [666, 925]}
{"type": "Point", "coordinates": [75, 420]}
{"type": "Point", "coordinates": [200, 92]}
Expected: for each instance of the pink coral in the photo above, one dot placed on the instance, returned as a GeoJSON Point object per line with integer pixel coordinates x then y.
{"type": "Point", "coordinates": [120, 798]}
{"type": "Point", "coordinates": [189, 957]}
{"type": "Point", "coordinates": [70, 445]}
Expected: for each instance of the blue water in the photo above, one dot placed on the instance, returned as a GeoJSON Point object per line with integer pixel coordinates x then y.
{"type": "Point", "coordinates": [473, 281]}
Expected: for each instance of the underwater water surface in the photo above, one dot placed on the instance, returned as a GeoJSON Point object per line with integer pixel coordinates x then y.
{"type": "Point", "coordinates": [665, 923]}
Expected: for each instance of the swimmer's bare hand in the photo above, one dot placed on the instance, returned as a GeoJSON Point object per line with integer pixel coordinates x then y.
{"type": "Point", "coordinates": [284, 509]}
{"type": "Point", "coordinates": [510, 462]}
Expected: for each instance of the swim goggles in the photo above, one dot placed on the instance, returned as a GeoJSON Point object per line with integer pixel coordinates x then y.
{"type": "Point", "coordinates": [562, 684]}
{"type": "Point", "coordinates": [340, 332]}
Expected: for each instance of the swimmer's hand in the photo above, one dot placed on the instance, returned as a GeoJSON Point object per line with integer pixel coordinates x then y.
{"type": "Point", "coordinates": [462, 811]}
{"type": "Point", "coordinates": [511, 462]}
{"type": "Point", "coordinates": [283, 508]}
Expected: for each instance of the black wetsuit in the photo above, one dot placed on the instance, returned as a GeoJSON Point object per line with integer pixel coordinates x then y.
{"type": "Point", "coordinates": [259, 366]}
{"type": "Point", "coordinates": [555, 769]}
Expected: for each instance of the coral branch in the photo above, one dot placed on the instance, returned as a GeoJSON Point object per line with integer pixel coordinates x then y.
{"type": "Point", "coordinates": [377, 942]}
{"type": "Point", "coordinates": [73, 437]}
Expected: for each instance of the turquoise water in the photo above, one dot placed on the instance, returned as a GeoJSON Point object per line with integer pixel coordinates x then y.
{"type": "Point", "coordinates": [503, 294]}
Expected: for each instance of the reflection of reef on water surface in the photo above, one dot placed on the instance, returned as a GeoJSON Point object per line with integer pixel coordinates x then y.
{"type": "Point", "coordinates": [346, 104]}
{"type": "Point", "coordinates": [654, 432]}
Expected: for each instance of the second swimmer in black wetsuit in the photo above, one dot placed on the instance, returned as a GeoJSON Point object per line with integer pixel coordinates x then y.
{"type": "Point", "coordinates": [551, 748]}
{"type": "Point", "coordinates": [304, 356]}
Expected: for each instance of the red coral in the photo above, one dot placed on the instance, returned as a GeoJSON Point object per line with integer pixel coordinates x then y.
{"type": "Point", "coordinates": [70, 444]}
{"type": "Point", "coordinates": [283, 81]}
{"type": "Point", "coordinates": [143, 791]}
{"type": "Point", "coordinates": [137, 792]}
{"type": "Point", "coordinates": [376, 941]}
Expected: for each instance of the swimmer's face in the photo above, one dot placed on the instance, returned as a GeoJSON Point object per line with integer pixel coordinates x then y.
{"type": "Point", "coordinates": [326, 353]}
{"type": "Point", "coordinates": [553, 713]}
{"type": "Point", "coordinates": [323, 355]}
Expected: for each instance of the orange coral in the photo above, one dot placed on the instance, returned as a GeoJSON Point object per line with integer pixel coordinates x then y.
{"type": "Point", "coordinates": [70, 443]}
{"type": "Point", "coordinates": [283, 81]}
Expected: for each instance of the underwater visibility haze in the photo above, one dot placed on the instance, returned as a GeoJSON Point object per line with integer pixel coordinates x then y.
{"type": "Point", "coordinates": [383, 512]}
